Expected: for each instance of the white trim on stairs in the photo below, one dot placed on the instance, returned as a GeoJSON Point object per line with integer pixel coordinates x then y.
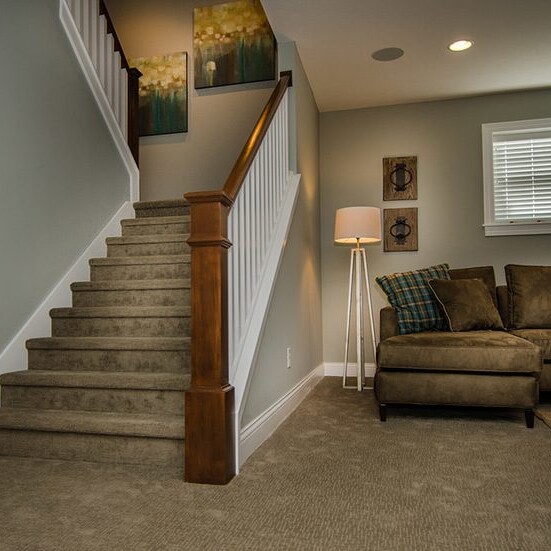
{"type": "Point", "coordinates": [261, 428]}
{"type": "Point", "coordinates": [81, 53]}
{"type": "Point", "coordinates": [14, 356]}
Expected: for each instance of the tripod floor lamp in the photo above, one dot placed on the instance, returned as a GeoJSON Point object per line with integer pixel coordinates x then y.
{"type": "Point", "coordinates": [356, 226]}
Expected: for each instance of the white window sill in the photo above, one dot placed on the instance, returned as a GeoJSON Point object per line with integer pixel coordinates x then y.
{"type": "Point", "coordinates": [517, 229]}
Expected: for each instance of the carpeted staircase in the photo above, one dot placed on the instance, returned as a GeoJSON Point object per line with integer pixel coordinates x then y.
{"type": "Point", "coordinates": [108, 385]}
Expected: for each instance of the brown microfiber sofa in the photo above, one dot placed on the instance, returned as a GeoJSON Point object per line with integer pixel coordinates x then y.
{"type": "Point", "coordinates": [471, 368]}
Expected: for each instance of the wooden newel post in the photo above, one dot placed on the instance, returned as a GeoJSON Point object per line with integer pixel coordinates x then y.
{"type": "Point", "coordinates": [133, 112]}
{"type": "Point", "coordinates": [209, 441]}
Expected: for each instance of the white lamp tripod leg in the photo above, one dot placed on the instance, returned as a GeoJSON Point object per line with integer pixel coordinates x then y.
{"type": "Point", "coordinates": [348, 319]}
{"type": "Point", "coordinates": [370, 306]}
{"type": "Point", "coordinates": [358, 264]}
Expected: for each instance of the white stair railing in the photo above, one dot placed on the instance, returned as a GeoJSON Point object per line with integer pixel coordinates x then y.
{"type": "Point", "coordinates": [258, 224]}
{"type": "Point", "coordinates": [237, 239]}
{"type": "Point", "coordinates": [93, 38]}
{"type": "Point", "coordinates": [100, 45]}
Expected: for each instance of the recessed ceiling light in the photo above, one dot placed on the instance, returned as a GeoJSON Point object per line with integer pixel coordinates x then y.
{"type": "Point", "coordinates": [387, 54]}
{"type": "Point", "coordinates": [460, 45]}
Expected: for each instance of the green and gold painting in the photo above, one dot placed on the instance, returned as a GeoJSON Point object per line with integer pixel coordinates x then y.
{"type": "Point", "coordinates": [233, 43]}
{"type": "Point", "coordinates": [163, 93]}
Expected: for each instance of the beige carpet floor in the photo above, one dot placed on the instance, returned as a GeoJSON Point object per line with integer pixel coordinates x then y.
{"type": "Point", "coordinates": [332, 477]}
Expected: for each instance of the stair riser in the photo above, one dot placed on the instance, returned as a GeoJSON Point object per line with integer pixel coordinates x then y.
{"type": "Point", "coordinates": [147, 249]}
{"type": "Point", "coordinates": [140, 271]}
{"type": "Point", "coordinates": [163, 211]}
{"type": "Point", "coordinates": [121, 327]}
{"type": "Point", "coordinates": [159, 361]}
{"type": "Point", "coordinates": [159, 402]}
{"type": "Point", "coordinates": [132, 297]}
{"type": "Point", "coordinates": [92, 447]}
{"type": "Point", "coordinates": [155, 229]}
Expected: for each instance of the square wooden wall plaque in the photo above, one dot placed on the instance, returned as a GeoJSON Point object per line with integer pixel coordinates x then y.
{"type": "Point", "coordinates": [399, 178]}
{"type": "Point", "coordinates": [400, 230]}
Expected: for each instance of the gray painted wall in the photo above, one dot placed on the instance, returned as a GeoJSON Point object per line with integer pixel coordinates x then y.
{"type": "Point", "coordinates": [446, 137]}
{"type": "Point", "coordinates": [294, 319]}
{"type": "Point", "coordinates": [220, 119]}
{"type": "Point", "coordinates": [61, 178]}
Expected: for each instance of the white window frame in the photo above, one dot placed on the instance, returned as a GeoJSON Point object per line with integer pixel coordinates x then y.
{"type": "Point", "coordinates": [511, 227]}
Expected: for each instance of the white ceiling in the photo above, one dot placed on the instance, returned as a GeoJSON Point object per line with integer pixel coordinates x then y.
{"type": "Point", "coordinates": [335, 39]}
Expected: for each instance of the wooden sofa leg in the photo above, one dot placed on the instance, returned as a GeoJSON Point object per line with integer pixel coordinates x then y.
{"type": "Point", "coordinates": [382, 412]}
{"type": "Point", "coordinates": [529, 416]}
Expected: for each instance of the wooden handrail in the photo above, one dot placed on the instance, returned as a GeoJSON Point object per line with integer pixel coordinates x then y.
{"type": "Point", "coordinates": [248, 153]}
{"type": "Point", "coordinates": [209, 405]}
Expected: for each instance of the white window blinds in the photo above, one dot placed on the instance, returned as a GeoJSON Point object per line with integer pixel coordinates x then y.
{"type": "Point", "coordinates": [517, 159]}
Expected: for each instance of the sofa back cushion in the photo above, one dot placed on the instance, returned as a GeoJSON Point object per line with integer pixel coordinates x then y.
{"type": "Point", "coordinates": [410, 295]}
{"type": "Point", "coordinates": [467, 304]}
{"type": "Point", "coordinates": [485, 273]}
{"type": "Point", "coordinates": [503, 303]}
{"type": "Point", "coordinates": [529, 296]}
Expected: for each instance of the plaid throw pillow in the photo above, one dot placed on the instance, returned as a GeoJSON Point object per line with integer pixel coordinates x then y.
{"type": "Point", "coordinates": [410, 295]}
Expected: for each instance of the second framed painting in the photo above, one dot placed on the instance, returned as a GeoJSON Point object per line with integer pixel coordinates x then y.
{"type": "Point", "coordinates": [163, 103]}
{"type": "Point", "coordinates": [233, 43]}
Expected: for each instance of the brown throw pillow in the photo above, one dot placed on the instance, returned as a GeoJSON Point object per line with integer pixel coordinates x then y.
{"type": "Point", "coordinates": [529, 296]}
{"type": "Point", "coordinates": [467, 304]}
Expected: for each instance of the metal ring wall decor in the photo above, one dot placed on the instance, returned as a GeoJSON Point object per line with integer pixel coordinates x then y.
{"type": "Point", "coordinates": [401, 177]}
{"type": "Point", "coordinates": [400, 230]}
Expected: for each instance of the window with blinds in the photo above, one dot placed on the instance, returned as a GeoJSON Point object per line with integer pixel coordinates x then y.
{"type": "Point", "coordinates": [517, 177]}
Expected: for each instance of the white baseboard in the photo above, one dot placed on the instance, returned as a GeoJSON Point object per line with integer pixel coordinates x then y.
{"type": "Point", "coordinates": [14, 356]}
{"type": "Point", "coordinates": [259, 430]}
{"type": "Point", "coordinates": [336, 369]}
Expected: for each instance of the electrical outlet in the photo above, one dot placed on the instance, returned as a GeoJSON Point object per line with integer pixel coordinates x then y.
{"type": "Point", "coordinates": [289, 358]}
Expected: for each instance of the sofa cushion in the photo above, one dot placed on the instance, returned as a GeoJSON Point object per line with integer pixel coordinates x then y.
{"type": "Point", "coordinates": [475, 351]}
{"type": "Point", "coordinates": [409, 294]}
{"type": "Point", "coordinates": [485, 273]}
{"type": "Point", "coordinates": [467, 304]}
{"type": "Point", "coordinates": [540, 337]}
{"type": "Point", "coordinates": [529, 296]}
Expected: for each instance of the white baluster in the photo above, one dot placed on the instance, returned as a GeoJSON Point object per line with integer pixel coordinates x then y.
{"type": "Point", "coordinates": [85, 18]}
{"type": "Point", "coordinates": [117, 86]}
{"type": "Point", "coordinates": [102, 55]}
{"type": "Point", "coordinates": [93, 11]}
{"type": "Point", "coordinates": [124, 102]}
{"type": "Point", "coordinates": [109, 49]}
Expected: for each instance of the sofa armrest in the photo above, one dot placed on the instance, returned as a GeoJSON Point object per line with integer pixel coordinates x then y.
{"type": "Point", "coordinates": [503, 303]}
{"type": "Point", "coordinates": [389, 323]}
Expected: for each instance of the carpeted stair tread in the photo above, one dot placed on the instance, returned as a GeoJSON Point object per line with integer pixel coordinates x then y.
{"type": "Point", "coordinates": [162, 203]}
{"type": "Point", "coordinates": [109, 343]}
{"type": "Point", "coordinates": [91, 422]}
{"type": "Point", "coordinates": [148, 239]}
{"type": "Point", "coordinates": [130, 284]}
{"type": "Point", "coordinates": [97, 379]}
{"type": "Point", "coordinates": [155, 220]}
{"type": "Point", "coordinates": [167, 207]}
{"type": "Point", "coordinates": [121, 312]}
{"type": "Point", "coordinates": [137, 260]}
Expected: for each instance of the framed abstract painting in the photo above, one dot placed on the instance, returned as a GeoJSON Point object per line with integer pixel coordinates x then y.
{"type": "Point", "coordinates": [233, 43]}
{"type": "Point", "coordinates": [163, 103]}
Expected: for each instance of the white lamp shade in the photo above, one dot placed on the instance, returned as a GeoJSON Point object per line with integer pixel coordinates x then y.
{"type": "Point", "coordinates": [358, 223]}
